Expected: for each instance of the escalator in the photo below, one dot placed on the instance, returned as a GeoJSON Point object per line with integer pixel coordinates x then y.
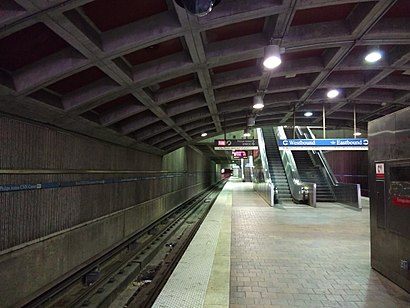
{"type": "Point", "coordinates": [310, 173]}
{"type": "Point", "coordinates": [301, 176]}
{"type": "Point", "coordinates": [276, 170]}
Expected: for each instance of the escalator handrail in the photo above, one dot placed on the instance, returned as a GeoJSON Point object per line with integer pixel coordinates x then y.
{"type": "Point", "coordinates": [323, 162]}
{"type": "Point", "coordinates": [339, 189]}
{"type": "Point", "coordinates": [263, 155]}
{"type": "Point", "coordinates": [296, 185]}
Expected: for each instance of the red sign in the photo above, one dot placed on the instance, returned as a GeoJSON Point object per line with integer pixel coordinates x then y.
{"type": "Point", "coordinates": [380, 171]}
{"type": "Point", "coordinates": [240, 154]}
{"type": "Point", "coordinates": [401, 201]}
{"type": "Point", "coordinates": [221, 142]}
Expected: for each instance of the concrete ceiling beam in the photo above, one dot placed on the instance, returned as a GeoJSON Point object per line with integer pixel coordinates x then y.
{"type": "Point", "coordinates": [177, 92]}
{"type": "Point", "coordinates": [193, 116]}
{"type": "Point", "coordinates": [179, 107]}
{"type": "Point", "coordinates": [235, 77]}
{"type": "Point", "coordinates": [197, 51]}
{"type": "Point", "coordinates": [48, 70]}
{"type": "Point", "coordinates": [163, 69]}
{"type": "Point", "coordinates": [89, 93]}
{"type": "Point", "coordinates": [141, 34]}
{"type": "Point", "coordinates": [151, 131]}
{"type": "Point", "coordinates": [235, 92]}
{"type": "Point", "coordinates": [120, 113]}
{"type": "Point", "coordinates": [230, 12]}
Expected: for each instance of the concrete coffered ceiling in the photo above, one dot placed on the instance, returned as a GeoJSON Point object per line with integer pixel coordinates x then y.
{"type": "Point", "coordinates": [145, 74]}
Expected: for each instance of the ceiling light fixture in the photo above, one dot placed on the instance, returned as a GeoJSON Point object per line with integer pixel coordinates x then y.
{"type": "Point", "coordinates": [272, 57]}
{"type": "Point", "coordinates": [246, 132]}
{"type": "Point", "coordinates": [357, 134]}
{"type": "Point", "coordinates": [333, 93]}
{"type": "Point", "coordinates": [308, 114]}
{"type": "Point", "coordinates": [199, 8]}
{"type": "Point", "coordinates": [251, 121]}
{"type": "Point", "coordinates": [373, 56]}
{"type": "Point", "coordinates": [204, 134]}
{"type": "Point", "coordinates": [258, 102]}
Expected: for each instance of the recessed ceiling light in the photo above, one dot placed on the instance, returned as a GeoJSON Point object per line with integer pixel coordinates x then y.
{"type": "Point", "coordinates": [204, 134]}
{"type": "Point", "coordinates": [247, 134]}
{"type": "Point", "coordinates": [333, 93]}
{"type": "Point", "coordinates": [357, 134]}
{"type": "Point", "coordinates": [308, 114]}
{"type": "Point", "coordinates": [373, 56]}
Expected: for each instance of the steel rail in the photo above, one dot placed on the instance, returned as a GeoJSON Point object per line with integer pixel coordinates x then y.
{"type": "Point", "coordinates": [146, 296]}
{"type": "Point", "coordinates": [62, 287]}
{"type": "Point", "coordinates": [175, 223]}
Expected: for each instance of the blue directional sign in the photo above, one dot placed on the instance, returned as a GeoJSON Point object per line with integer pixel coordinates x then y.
{"type": "Point", "coordinates": [323, 144]}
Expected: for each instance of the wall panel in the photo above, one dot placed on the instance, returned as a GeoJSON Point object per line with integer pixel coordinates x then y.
{"type": "Point", "coordinates": [51, 232]}
{"type": "Point", "coordinates": [389, 144]}
{"type": "Point", "coordinates": [350, 167]}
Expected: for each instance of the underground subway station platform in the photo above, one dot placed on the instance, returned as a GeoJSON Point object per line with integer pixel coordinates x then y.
{"type": "Point", "coordinates": [205, 153]}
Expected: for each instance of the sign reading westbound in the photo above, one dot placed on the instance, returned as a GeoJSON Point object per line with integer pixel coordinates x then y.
{"type": "Point", "coordinates": [236, 144]}
{"type": "Point", "coordinates": [323, 144]}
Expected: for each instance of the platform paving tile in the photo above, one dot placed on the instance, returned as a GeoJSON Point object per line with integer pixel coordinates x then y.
{"type": "Point", "coordinates": [201, 278]}
{"type": "Point", "coordinates": [304, 257]}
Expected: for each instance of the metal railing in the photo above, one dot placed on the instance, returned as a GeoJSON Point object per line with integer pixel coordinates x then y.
{"type": "Point", "coordinates": [262, 182]}
{"type": "Point", "coordinates": [349, 194]}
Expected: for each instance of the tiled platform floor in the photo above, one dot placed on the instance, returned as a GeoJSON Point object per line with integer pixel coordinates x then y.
{"type": "Point", "coordinates": [293, 256]}
{"type": "Point", "coordinates": [201, 278]}
{"type": "Point", "coordinates": [304, 257]}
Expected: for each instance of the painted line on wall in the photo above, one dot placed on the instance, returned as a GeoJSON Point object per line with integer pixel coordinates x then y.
{"type": "Point", "coordinates": [65, 184]}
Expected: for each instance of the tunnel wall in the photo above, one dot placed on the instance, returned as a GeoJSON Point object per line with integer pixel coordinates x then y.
{"type": "Point", "coordinates": [389, 153]}
{"type": "Point", "coordinates": [53, 223]}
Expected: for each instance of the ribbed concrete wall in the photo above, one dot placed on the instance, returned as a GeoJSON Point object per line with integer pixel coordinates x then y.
{"type": "Point", "coordinates": [46, 234]}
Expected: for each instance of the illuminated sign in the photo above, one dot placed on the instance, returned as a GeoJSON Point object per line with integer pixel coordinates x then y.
{"type": "Point", "coordinates": [236, 144]}
{"type": "Point", "coordinates": [239, 154]}
{"type": "Point", "coordinates": [323, 144]}
{"type": "Point", "coordinates": [402, 201]}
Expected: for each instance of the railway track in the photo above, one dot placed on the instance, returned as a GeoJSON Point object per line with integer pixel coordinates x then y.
{"type": "Point", "coordinates": [140, 265]}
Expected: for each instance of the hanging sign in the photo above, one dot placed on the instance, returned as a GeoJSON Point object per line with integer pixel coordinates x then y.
{"type": "Point", "coordinates": [239, 154]}
{"type": "Point", "coordinates": [236, 144]}
{"type": "Point", "coordinates": [323, 144]}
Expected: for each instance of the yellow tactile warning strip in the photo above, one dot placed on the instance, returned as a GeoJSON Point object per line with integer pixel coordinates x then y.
{"type": "Point", "coordinates": [203, 273]}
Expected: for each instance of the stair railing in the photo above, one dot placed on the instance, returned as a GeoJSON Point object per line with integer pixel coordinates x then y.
{"type": "Point", "coordinates": [349, 194]}
{"type": "Point", "coordinates": [322, 160]}
{"type": "Point", "coordinates": [319, 160]}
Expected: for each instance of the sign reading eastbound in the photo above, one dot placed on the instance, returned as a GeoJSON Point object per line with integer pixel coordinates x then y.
{"type": "Point", "coordinates": [236, 144]}
{"type": "Point", "coordinates": [323, 144]}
